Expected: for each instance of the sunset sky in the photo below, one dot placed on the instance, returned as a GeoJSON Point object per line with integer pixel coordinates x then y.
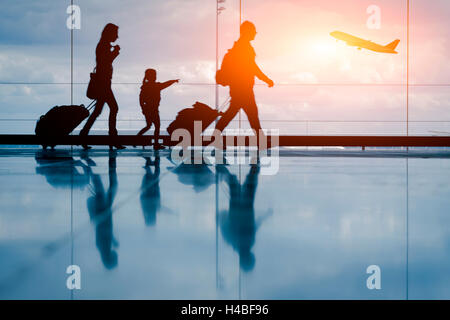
{"type": "Point", "coordinates": [313, 73]}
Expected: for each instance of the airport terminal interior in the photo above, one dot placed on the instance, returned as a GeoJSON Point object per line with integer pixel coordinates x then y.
{"type": "Point", "coordinates": [300, 221]}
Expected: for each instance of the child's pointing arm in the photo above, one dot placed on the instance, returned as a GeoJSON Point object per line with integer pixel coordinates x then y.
{"type": "Point", "coordinates": [168, 83]}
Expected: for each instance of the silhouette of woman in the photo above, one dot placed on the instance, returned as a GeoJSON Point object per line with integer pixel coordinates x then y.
{"type": "Point", "coordinates": [100, 208]}
{"type": "Point", "coordinates": [105, 54]}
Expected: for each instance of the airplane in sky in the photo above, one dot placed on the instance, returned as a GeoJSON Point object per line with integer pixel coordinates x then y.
{"type": "Point", "coordinates": [361, 43]}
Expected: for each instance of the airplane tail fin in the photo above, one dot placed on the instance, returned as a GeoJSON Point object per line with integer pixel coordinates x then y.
{"type": "Point", "coordinates": [392, 45]}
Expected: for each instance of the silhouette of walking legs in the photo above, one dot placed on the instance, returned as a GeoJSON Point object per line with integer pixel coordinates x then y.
{"type": "Point", "coordinates": [113, 109]}
{"type": "Point", "coordinates": [251, 110]}
{"type": "Point", "coordinates": [248, 104]}
{"type": "Point", "coordinates": [246, 101]}
{"type": "Point", "coordinates": [157, 128]}
{"type": "Point", "coordinates": [149, 122]}
{"type": "Point", "coordinates": [227, 117]}
{"type": "Point", "coordinates": [152, 119]}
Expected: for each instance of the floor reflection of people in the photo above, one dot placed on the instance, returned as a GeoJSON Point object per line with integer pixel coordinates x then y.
{"type": "Point", "coordinates": [150, 193]}
{"type": "Point", "coordinates": [199, 176]}
{"type": "Point", "coordinates": [100, 211]}
{"type": "Point", "coordinates": [238, 224]}
{"type": "Point", "coordinates": [60, 169]}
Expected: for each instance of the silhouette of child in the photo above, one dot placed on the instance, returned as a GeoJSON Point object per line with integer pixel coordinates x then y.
{"type": "Point", "coordinates": [149, 99]}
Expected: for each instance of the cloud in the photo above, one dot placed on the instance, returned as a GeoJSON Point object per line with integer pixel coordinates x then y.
{"type": "Point", "coordinates": [25, 22]}
{"type": "Point", "coordinates": [22, 67]}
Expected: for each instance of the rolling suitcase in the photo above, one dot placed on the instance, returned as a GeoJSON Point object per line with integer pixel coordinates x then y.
{"type": "Point", "coordinates": [60, 121]}
{"type": "Point", "coordinates": [199, 112]}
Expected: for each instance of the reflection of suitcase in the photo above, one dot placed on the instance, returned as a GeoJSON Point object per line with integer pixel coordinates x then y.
{"type": "Point", "coordinates": [61, 170]}
{"type": "Point", "coordinates": [186, 117]}
{"type": "Point", "coordinates": [60, 121]}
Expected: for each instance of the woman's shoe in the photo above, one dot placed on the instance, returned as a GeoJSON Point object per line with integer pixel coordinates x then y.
{"type": "Point", "coordinates": [85, 146]}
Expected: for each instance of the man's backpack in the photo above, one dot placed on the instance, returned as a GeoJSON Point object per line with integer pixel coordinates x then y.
{"type": "Point", "coordinates": [225, 75]}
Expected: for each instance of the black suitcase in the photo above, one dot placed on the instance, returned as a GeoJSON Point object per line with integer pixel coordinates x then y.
{"type": "Point", "coordinates": [60, 121]}
{"type": "Point", "coordinates": [185, 118]}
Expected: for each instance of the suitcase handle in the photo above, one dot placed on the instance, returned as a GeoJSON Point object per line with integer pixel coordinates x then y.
{"type": "Point", "coordinates": [224, 105]}
{"type": "Point", "coordinates": [91, 105]}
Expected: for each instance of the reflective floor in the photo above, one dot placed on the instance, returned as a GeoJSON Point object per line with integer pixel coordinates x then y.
{"type": "Point", "coordinates": [143, 226]}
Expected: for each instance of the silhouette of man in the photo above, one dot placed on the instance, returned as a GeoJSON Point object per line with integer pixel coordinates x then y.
{"type": "Point", "coordinates": [150, 192]}
{"type": "Point", "coordinates": [238, 225]}
{"type": "Point", "coordinates": [243, 79]}
{"type": "Point", "coordinates": [100, 211]}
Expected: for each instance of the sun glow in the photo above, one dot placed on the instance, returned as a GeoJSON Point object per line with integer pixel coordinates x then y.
{"type": "Point", "coordinates": [324, 49]}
